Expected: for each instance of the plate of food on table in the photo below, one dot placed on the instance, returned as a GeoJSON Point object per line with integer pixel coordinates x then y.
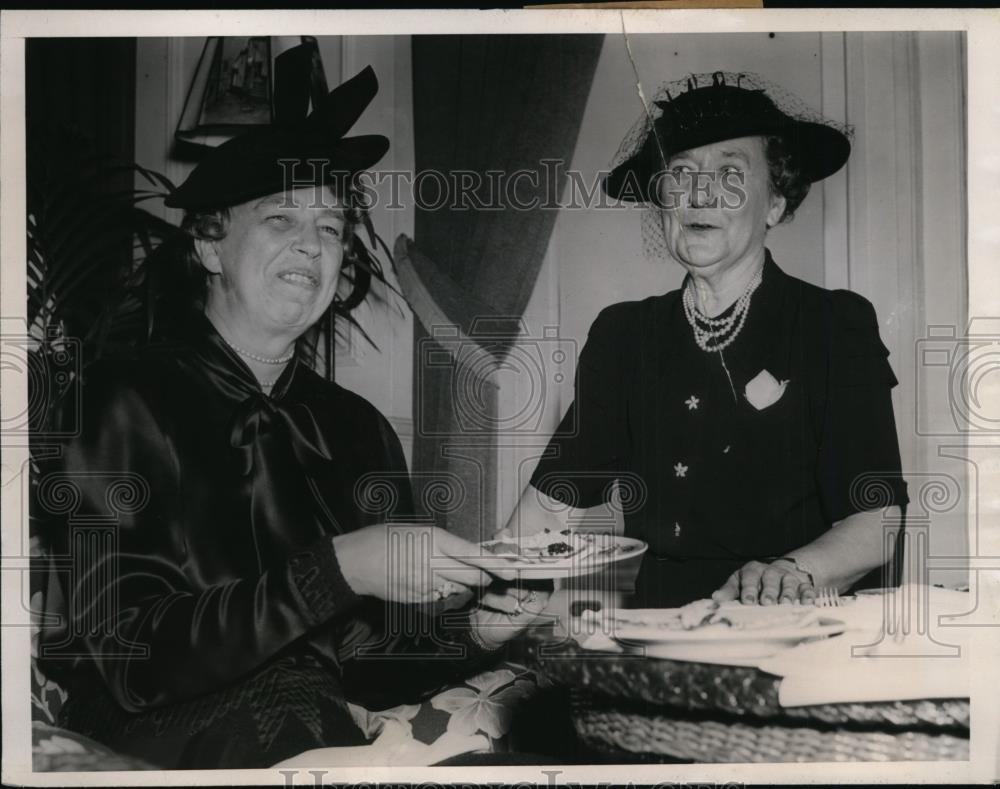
{"type": "Point", "coordinates": [717, 632]}
{"type": "Point", "coordinates": [562, 554]}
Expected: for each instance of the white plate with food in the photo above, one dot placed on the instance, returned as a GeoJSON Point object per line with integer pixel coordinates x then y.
{"type": "Point", "coordinates": [563, 554]}
{"type": "Point", "coordinates": [709, 632]}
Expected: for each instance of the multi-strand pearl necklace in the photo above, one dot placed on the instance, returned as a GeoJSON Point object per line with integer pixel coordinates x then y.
{"type": "Point", "coordinates": [714, 334]}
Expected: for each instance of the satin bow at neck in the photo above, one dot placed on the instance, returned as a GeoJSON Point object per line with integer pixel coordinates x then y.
{"type": "Point", "coordinates": [259, 415]}
{"type": "Point", "coordinates": [279, 447]}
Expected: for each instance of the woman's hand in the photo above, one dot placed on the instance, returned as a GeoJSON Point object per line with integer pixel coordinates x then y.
{"type": "Point", "coordinates": [503, 615]}
{"type": "Point", "coordinates": [535, 512]}
{"type": "Point", "coordinates": [767, 584]}
{"type": "Point", "coordinates": [413, 564]}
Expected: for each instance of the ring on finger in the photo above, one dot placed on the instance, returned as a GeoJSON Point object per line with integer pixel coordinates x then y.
{"type": "Point", "coordinates": [445, 589]}
{"type": "Point", "coordinates": [522, 606]}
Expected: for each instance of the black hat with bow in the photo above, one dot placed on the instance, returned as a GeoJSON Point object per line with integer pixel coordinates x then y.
{"type": "Point", "coordinates": [309, 151]}
{"type": "Point", "coordinates": [719, 111]}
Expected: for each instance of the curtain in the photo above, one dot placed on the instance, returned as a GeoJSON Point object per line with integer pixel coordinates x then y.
{"type": "Point", "coordinates": [492, 117]}
{"type": "Point", "coordinates": [84, 88]}
{"type": "Point", "coordinates": [79, 115]}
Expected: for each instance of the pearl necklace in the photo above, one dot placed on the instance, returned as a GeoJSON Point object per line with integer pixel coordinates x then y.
{"type": "Point", "coordinates": [261, 359]}
{"type": "Point", "coordinates": [709, 332]}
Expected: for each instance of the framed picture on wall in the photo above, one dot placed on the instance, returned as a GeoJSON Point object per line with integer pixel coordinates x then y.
{"type": "Point", "coordinates": [232, 87]}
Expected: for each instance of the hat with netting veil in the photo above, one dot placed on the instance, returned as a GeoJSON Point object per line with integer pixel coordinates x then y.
{"type": "Point", "coordinates": [701, 109]}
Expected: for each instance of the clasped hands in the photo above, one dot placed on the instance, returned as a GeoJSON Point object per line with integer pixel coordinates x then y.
{"type": "Point", "coordinates": [419, 564]}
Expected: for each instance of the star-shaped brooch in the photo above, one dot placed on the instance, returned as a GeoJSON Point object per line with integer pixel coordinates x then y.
{"type": "Point", "coordinates": [680, 469]}
{"type": "Point", "coordinates": [692, 403]}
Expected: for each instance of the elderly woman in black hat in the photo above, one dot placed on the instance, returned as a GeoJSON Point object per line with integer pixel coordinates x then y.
{"type": "Point", "coordinates": [748, 413]}
{"type": "Point", "coordinates": [224, 624]}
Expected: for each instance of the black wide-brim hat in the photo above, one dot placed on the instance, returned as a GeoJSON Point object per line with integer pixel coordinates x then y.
{"type": "Point", "coordinates": [313, 151]}
{"type": "Point", "coordinates": [717, 112]}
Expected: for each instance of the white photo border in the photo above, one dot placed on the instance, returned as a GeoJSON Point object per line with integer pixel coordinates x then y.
{"type": "Point", "coordinates": [982, 29]}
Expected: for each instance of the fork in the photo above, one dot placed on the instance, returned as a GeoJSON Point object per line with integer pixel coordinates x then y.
{"type": "Point", "coordinates": [828, 597]}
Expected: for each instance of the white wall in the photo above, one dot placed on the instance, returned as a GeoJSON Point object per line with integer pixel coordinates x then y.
{"type": "Point", "coordinates": [906, 251]}
{"type": "Point", "coordinates": [382, 374]}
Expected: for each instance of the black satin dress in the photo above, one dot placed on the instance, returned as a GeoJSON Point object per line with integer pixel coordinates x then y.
{"type": "Point", "coordinates": [198, 616]}
{"type": "Point", "coordinates": [708, 480]}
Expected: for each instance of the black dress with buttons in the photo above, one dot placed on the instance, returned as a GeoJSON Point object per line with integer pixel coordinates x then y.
{"type": "Point", "coordinates": [711, 480]}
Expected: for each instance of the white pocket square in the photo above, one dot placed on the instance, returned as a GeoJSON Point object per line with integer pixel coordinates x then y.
{"type": "Point", "coordinates": [764, 390]}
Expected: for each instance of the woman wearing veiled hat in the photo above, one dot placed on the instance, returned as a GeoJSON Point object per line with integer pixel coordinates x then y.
{"type": "Point", "coordinates": [220, 620]}
{"type": "Point", "coordinates": [748, 413]}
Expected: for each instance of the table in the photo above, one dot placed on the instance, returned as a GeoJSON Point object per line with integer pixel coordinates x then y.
{"type": "Point", "coordinates": [645, 709]}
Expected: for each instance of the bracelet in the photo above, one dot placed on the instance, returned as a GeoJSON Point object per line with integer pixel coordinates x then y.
{"type": "Point", "coordinates": [477, 640]}
{"type": "Point", "coordinates": [801, 567]}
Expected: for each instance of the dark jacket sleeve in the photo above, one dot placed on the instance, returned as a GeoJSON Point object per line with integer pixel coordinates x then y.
{"type": "Point", "coordinates": [155, 633]}
{"type": "Point", "coordinates": [590, 445]}
{"type": "Point", "coordinates": [391, 653]}
{"type": "Point", "coordinates": [398, 654]}
{"type": "Point", "coordinates": [859, 464]}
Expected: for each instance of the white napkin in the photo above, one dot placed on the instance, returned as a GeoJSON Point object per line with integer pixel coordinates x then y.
{"type": "Point", "coordinates": [590, 631]}
{"type": "Point", "coordinates": [867, 664]}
